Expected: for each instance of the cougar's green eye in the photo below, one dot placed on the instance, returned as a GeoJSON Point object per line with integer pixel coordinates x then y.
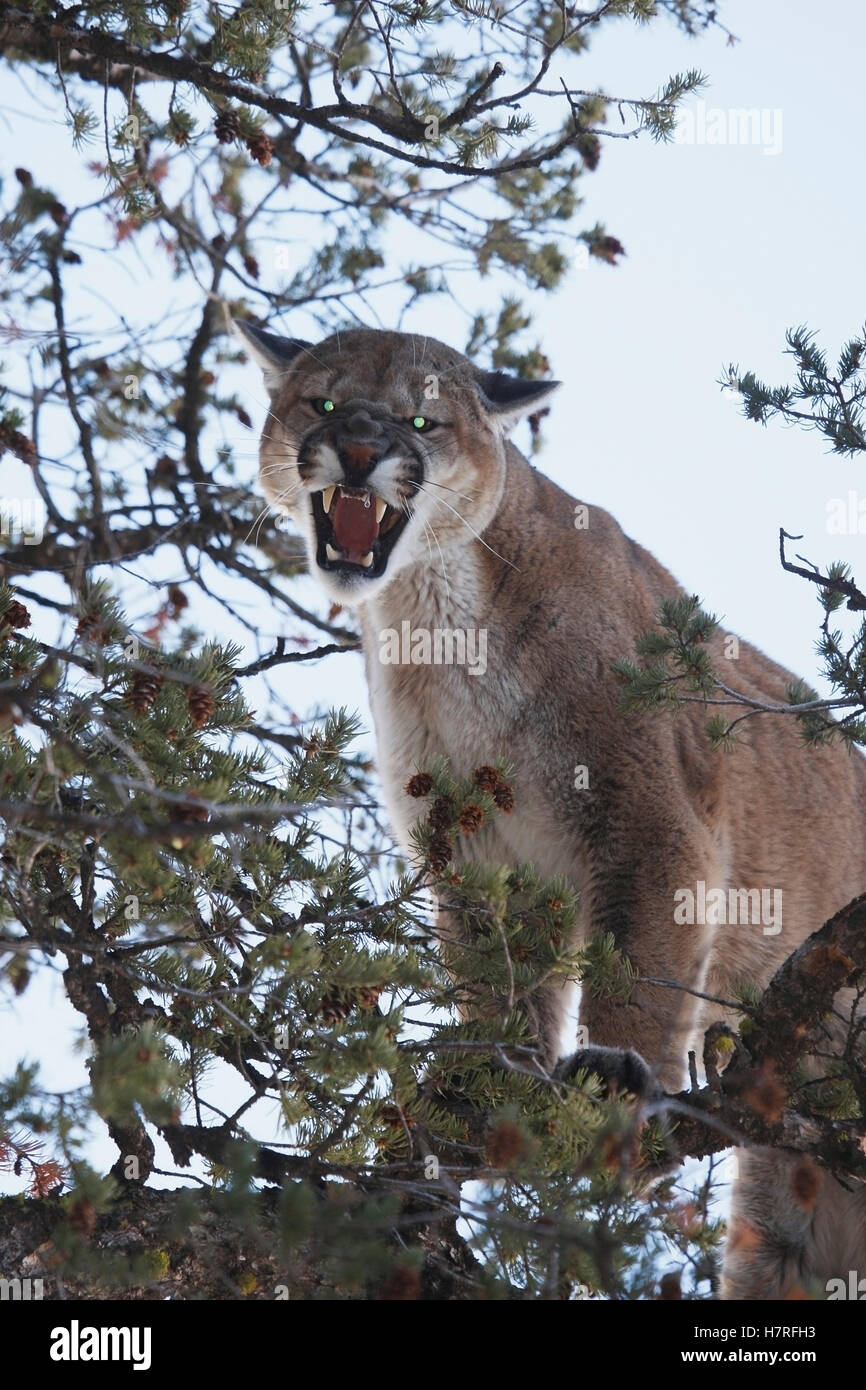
{"type": "Point", "coordinates": [420, 422]}
{"type": "Point", "coordinates": [324, 407]}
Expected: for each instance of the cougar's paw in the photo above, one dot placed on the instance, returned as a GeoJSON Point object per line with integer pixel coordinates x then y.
{"type": "Point", "coordinates": [620, 1069]}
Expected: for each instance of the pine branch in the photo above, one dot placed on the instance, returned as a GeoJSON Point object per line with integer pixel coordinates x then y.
{"type": "Point", "coordinates": [856, 598]}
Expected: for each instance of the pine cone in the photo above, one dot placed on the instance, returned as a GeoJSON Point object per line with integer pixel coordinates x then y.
{"type": "Point", "coordinates": [504, 797]}
{"type": "Point", "coordinates": [337, 1004]}
{"type": "Point", "coordinates": [90, 627]}
{"type": "Point", "coordinates": [18, 444]}
{"type": "Point", "coordinates": [471, 818]}
{"type": "Point", "coordinates": [504, 1145]}
{"type": "Point", "coordinates": [200, 703]}
{"type": "Point", "coordinates": [486, 778]}
{"type": "Point", "coordinates": [390, 1115]}
{"type": "Point", "coordinates": [440, 851]}
{"type": "Point", "coordinates": [187, 813]}
{"type": "Point", "coordinates": [368, 996]}
{"type": "Point", "coordinates": [227, 127]}
{"type": "Point", "coordinates": [419, 785]}
{"type": "Point", "coordinates": [441, 813]}
{"type": "Point", "coordinates": [589, 146]}
{"type": "Point", "coordinates": [16, 615]}
{"type": "Point", "coordinates": [261, 147]}
{"type": "Point", "coordinates": [165, 469]}
{"type": "Point", "coordinates": [607, 248]}
{"type": "Point", "coordinates": [177, 600]}
{"type": "Point", "coordinates": [145, 688]}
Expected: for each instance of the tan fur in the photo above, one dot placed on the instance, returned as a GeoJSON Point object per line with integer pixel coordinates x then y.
{"type": "Point", "coordinates": [662, 810]}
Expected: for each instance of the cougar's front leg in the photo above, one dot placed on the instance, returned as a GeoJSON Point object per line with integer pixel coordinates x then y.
{"type": "Point", "coordinates": [634, 897]}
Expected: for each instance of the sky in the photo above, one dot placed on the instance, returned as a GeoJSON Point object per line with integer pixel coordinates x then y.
{"type": "Point", "coordinates": [728, 245]}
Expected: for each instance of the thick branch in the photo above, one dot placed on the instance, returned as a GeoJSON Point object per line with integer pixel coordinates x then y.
{"type": "Point", "coordinates": [787, 1025]}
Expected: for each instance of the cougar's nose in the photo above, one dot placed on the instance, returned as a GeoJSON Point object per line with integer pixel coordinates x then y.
{"type": "Point", "coordinates": [360, 446]}
{"type": "Point", "coordinates": [358, 461]}
{"type": "Point", "coordinates": [359, 458]}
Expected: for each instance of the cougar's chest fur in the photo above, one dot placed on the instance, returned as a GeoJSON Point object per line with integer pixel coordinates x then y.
{"type": "Point", "coordinates": [467, 714]}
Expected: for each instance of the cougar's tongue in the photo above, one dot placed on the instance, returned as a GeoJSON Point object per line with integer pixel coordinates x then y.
{"type": "Point", "coordinates": [355, 525]}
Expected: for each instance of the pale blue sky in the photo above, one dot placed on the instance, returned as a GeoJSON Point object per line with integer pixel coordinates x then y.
{"type": "Point", "coordinates": [727, 248]}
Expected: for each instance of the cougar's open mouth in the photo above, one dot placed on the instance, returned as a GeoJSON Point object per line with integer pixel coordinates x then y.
{"type": "Point", "coordinates": [355, 530]}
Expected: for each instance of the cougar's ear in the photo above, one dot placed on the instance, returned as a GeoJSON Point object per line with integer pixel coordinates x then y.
{"type": "Point", "coordinates": [511, 398]}
{"type": "Point", "coordinates": [274, 355]}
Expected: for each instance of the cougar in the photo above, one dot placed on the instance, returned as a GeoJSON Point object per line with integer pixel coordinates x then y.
{"type": "Point", "coordinates": [391, 453]}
